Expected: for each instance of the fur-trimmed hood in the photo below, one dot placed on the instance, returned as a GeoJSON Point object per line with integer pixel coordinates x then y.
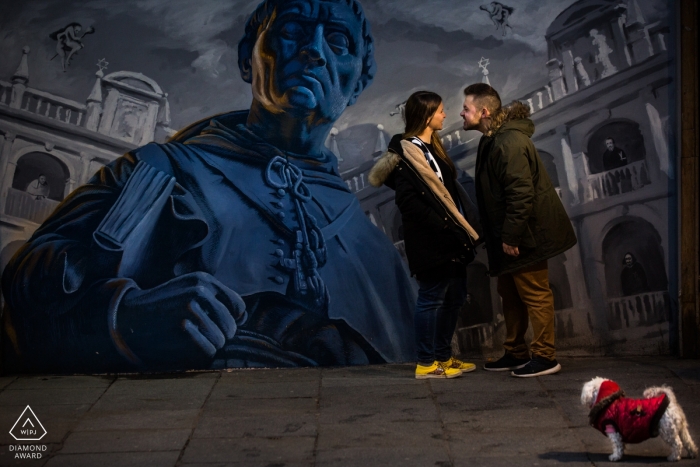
{"type": "Point", "coordinates": [608, 393]}
{"type": "Point", "coordinates": [382, 168]}
{"type": "Point", "coordinates": [414, 157]}
{"type": "Point", "coordinates": [514, 111]}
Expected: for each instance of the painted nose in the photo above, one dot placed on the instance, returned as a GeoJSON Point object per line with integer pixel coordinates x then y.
{"type": "Point", "coordinates": [313, 51]}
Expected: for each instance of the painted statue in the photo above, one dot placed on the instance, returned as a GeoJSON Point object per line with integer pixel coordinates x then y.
{"type": "Point", "coordinates": [236, 244]}
{"type": "Point", "coordinates": [69, 41]}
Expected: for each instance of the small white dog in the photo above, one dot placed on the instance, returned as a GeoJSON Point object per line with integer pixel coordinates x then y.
{"type": "Point", "coordinates": [625, 420]}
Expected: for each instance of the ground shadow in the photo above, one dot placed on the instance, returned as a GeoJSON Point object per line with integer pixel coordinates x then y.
{"type": "Point", "coordinates": [597, 458]}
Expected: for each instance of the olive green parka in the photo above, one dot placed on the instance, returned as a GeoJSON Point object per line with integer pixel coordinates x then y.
{"type": "Point", "coordinates": [517, 201]}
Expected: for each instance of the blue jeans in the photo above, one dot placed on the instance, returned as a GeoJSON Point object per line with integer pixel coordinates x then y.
{"type": "Point", "coordinates": [437, 309]}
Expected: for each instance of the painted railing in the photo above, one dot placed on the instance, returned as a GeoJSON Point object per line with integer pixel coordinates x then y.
{"type": "Point", "coordinates": [57, 108]}
{"type": "Point", "coordinates": [538, 99]}
{"type": "Point", "coordinates": [26, 206]}
{"type": "Point", "coordinates": [5, 92]}
{"type": "Point", "coordinates": [638, 310]}
{"type": "Point", "coordinates": [357, 183]}
{"type": "Point", "coordinates": [42, 103]}
{"type": "Point", "coordinates": [628, 178]}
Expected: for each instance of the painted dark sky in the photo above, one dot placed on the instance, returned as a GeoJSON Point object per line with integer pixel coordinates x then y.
{"type": "Point", "coordinates": [190, 49]}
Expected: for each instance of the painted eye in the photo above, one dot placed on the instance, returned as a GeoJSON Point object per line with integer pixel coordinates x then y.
{"type": "Point", "coordinates": [338, 42]}
{"type": "Point", "coordinates": [291, 30]}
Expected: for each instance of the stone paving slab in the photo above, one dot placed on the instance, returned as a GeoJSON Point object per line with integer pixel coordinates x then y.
{"type": "Point", "coordinates": [130, 459]}
{"type": "Point", "coordinates": [137, 420]}
{"type": "Point", "coordinates": [218, 425]}
{"type": "Point", "coordinates": [6, 381]}
{"type": "Point", "coordinates": [275, 390]}
{"type": "Point", "coordinates": [396, 435]}
{"type": "Point", "coordinates": [270, 450]}
{"type": "Point", "coordinates": [371, 456]}
{"type": "Point", "coordinates": [125, 441]}
{"type": "Point", "coordinates": [64, 382]}
{"type": "Point", "coordinates": [49, 397]}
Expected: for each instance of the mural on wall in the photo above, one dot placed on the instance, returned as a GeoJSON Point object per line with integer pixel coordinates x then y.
{"type": "Point", "coordinates": [251, 238]}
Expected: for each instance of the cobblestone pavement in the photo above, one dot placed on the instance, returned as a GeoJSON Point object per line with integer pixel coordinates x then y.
{"type": "Point", "coordinates": [364, 416]}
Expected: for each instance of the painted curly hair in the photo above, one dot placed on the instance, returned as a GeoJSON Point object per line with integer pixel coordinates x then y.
{"type": "Point", "coordinates": [260, 18]}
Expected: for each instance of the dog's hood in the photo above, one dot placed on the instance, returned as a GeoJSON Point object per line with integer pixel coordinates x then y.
{"type": "Point", "coordinates": [607, 388]}
{"type": "Point", "coordinates": [608, 393]}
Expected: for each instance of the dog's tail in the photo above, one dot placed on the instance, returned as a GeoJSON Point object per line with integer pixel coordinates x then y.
{"type": "Point", "coordinates": [658, 390]}
{"type": "Point", "coordinates": [683, 429]}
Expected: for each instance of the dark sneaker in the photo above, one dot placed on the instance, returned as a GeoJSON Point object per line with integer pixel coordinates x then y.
{"type": "Point", "coordinates": [538, 366]}
{"type": "Point", "coordinates": [506, 363]}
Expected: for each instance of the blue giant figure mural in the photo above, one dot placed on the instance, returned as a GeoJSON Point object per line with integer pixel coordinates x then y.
{"type": "Point", "coordinates": [253, 238]}
{"type": "Point", "coordinates": [234, 244]}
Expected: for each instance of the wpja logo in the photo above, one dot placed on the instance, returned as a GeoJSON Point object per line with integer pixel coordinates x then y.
{"type": "Point", "coordinates": [28, 428]}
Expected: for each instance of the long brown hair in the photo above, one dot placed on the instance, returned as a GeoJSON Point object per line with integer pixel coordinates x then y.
{"type": "Point", "coordinates": [420, 108]}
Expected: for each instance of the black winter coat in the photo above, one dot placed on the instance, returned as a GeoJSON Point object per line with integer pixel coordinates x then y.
{"type": "Point", "coordinates": [517, 201]}
{"type": "Point", "coordinates": [434, 234]}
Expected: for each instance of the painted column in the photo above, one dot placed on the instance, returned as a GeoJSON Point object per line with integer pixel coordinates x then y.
{"type": "Point", "coordinates": [588, 232]}
{"type": "Point", "coordinates": [85, 163]}
{"type": "Point", "coordinates": [94, 104]}
{"type": "Point", "coordinates": [569, 75]}
{"type": "Point", "coordinates": [577, 284]}
{"type": "Point", "coordinates": [6, 167]}
{"type": "Point", "coordinates": [660, 142]}
{"type": "Point", "coordinates": [556, 79]}
{"type": "Point", "coordinates": [619, 36]}
{"type": "Point", "coordinates": [109, 109]}
{"type": "Point", "coordinates": [638, 36]}
{"type": "Point", "coordinates": [20, 78]}
{"type": "Point", "coordinates": [571, 196]}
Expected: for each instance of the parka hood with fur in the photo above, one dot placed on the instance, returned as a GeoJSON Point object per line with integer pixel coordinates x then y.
{"type": "Point", "coordinates": [513, 116]}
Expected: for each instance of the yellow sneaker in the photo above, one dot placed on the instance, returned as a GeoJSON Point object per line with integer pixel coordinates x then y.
{"type": "Point", "coordinates": [436, 370]}
{"type": "Point", "coordinates": [459, 365]}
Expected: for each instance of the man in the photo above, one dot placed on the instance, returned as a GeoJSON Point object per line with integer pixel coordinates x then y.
{"type": "Point", "coordinates": [633, 278]}
{"type": "Point", "coordinates": [237, 244]}
{"type": "Point", "coordinates": [524, 224]}
{"type": "Point", "coordinates": [39, 188]}
{"type": "Point", "coordinates": [613, 157]}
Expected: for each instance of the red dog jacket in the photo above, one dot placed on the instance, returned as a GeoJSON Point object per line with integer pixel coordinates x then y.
{"type": "Point", "coordinates": [635, 419]}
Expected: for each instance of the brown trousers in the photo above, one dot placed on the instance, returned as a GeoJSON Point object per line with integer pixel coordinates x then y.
{"type": "Point", "coordinates": [526, 294]}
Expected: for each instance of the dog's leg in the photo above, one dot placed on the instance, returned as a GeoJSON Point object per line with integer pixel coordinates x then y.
{"type": "Point", "coordinates": [688, 442]}
{"type": "Point", "coordinates": [668, 430]}
{"type": "Point", "coordinates": [617, 445]}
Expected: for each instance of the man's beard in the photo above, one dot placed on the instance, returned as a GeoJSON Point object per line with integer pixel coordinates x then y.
{"type": "Point", "coordinates": [470, 125]}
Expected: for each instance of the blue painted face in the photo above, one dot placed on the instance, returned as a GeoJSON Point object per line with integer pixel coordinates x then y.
{"type": "Point", "coordinates": [313, 53]}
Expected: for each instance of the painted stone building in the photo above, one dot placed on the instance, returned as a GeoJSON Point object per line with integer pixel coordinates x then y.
{"type": "Point", "coordinates": [602, 131]}
{"type": "Point", "coordinates": [65, 142]}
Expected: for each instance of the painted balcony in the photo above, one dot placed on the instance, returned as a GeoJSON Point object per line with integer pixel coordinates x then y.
{"type": "Point", "coordinates": [26, 206]}
{"type": "Point", "coordinates": [615, 182]}
{"type": "Point", "coordinates": [638, 310]}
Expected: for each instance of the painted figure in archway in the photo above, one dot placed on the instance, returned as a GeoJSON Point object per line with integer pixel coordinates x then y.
{"type": "Point", "coordinates": [237, 243]}
{"type": "Point", "coordinates": [613, 157]}
{"type": "Point", "coordinates": [633, 278]}
{"type": "Point", "coordinates": [39, 188]}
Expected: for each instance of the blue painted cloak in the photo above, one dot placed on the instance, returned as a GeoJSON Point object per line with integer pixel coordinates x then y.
{"type": "Point", "coordinates": [228, 209]}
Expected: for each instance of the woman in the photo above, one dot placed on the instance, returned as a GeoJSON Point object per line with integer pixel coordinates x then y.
{"type": "Point", "coordinates": [439, 240]}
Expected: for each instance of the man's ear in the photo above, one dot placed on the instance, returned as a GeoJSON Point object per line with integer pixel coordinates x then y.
{"type": "Point", "coordinates": [245, 62]}
{"type": "Point", "coordinates": [485, 113]}
{"type": "Point", "coordinates": [358, 90]}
